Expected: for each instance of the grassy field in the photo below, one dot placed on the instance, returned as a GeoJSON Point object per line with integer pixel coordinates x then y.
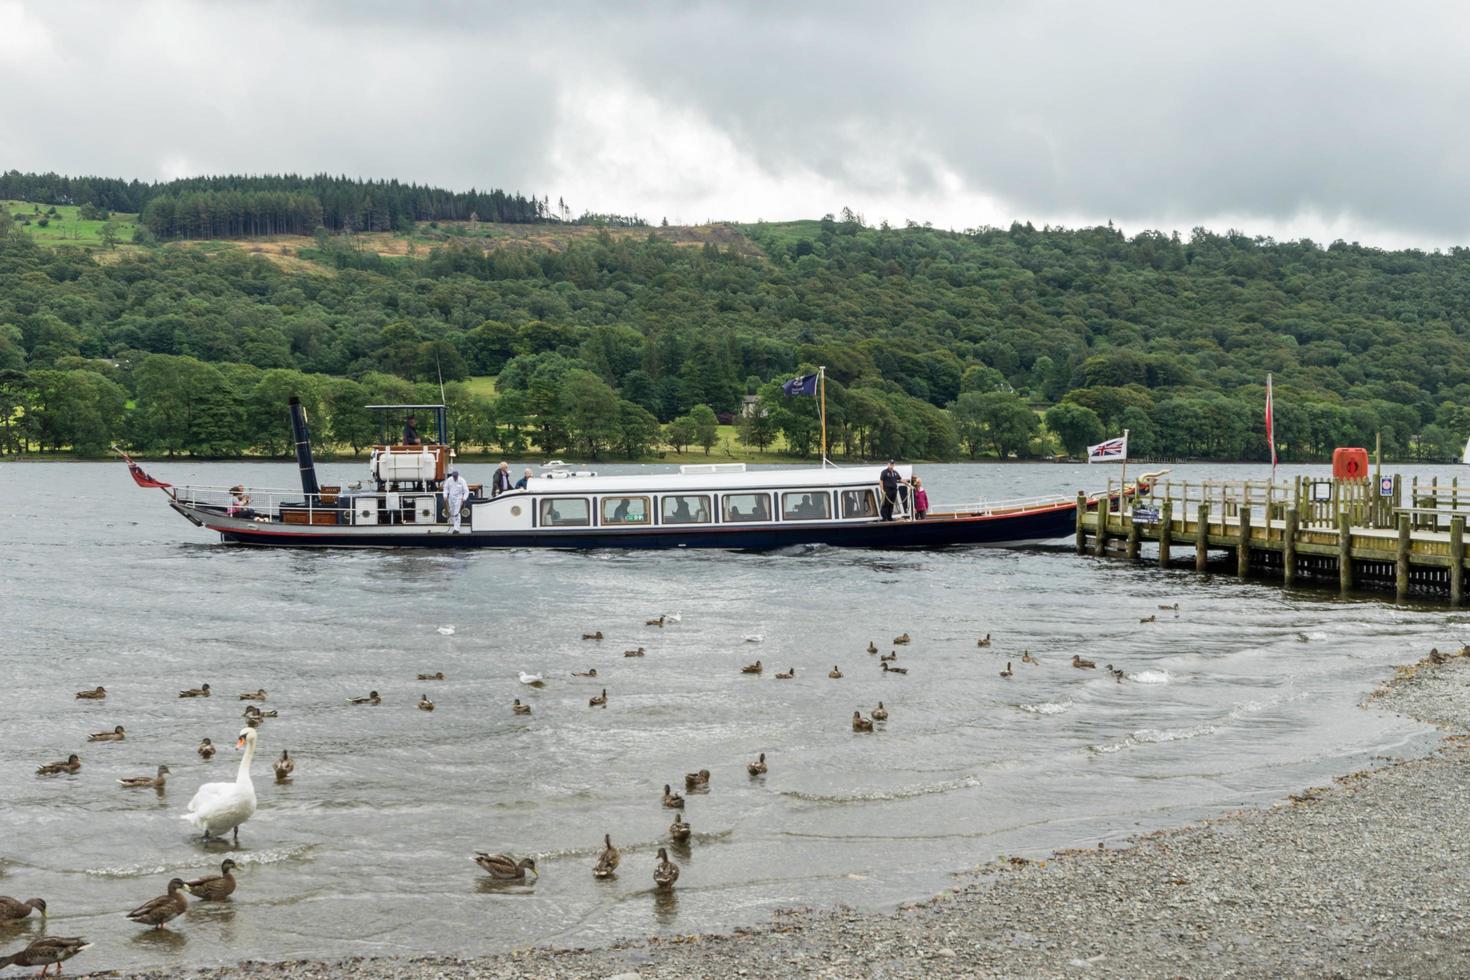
{"type": "Point", "coordinates": [66, 227]}
{"type": "Point", "coordinates": [484, 385]}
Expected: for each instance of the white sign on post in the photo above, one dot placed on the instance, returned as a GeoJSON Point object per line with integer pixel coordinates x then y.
{"type": "Point", "coordinates": [1385, 486]}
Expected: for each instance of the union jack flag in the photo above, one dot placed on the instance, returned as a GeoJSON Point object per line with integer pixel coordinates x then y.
{"type": "Point", "coordinates": [1108, 450]}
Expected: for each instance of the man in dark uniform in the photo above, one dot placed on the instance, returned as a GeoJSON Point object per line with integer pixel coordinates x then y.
{"type": "Point", "coordinates": [411, 432]}
{"type": "Point", "coordinates": [888, 482]}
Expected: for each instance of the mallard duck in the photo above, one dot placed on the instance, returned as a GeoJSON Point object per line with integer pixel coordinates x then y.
{"type": "Point", "coordinates": [655, 622]}
{"type": "Point", "coordinates": [880, 713]}
{"type": "Point", "coordinates": [46, 951]}
{"type": "Point", "coordinates": [163, 908]}
{"type": "Point", "coordinates": [251, 711]}
{"type": "Point", "coordinates": [253, 695]}
{"type": "Point", "coordinates": [834, 673]}
{"type": "Point", "coordinates": [786, 675]}
{"type": "Point", "coordinates": [607, 861]}
{"type": "Point", "coordinates": [679, 831]}
{"type": "Point", "coordinates": [872, 647]}
{"type": "Point", "coordinates": [666, 872]}
{"type": "Point", "coordinates": [901, 639]}
{"type": "Point", "coordinates": [890, 669]}
{"type": "Point", "coordinates": [598, 700]}
{"type": "Point", "coordinates": [890, 655]}
{"type": "Point", "coordinates": [861, 724]}
{"type": "Point", "coordinates": [984, 641]}
{"type": "Point", "coordinates": [425, 704]}
{"type": "Point", "coordinates": [592, 636]}
{"type": "Point", "coordinates": [146, 782]}
{"type": "Point", "coordinates": [697, 780]}
{"type": "Point", "coordinates": [1117, 673]}
{"type": "Point", "coordinates": [1149, 619]}
{"type": "Point", "coordinates": [372, 698]}
{"type": "Point", "coordinates": [1435, 657]}
{"type": "Point", "coordinates": [520, 709]}
{"type": "Point", "coordinates": [438, 675]}
{"type": "Point", "coordinates": [633, 653]}
{"type": "Point", "coordinates": [503, 867]}
{"type": "Point", "coordinates": [672, 800]}
{"type": "Point", "coordinates": [754, 668]}
{"type": "Point", "coordinates": [13, 909]}
{"type": "Point", "coordinates": [215, 888]}
{"type": "Point", "coordinates": [1007, 671]}
{"type": "Point", "coordinates": [202, 691]}
{"type": "Point", "coordinates": [1173, 608]}
{"type": "Point", "coordinates": [1026, 658]}
{"type": "Point", "coordinates": [97, 693]}
{"type": "Point", "coordinates": [116, 735]}
{"type": "Point", "coordinates": [589, 672]}
{"type": "Point", "coordinates": [206, 749]}
{"type": "Point", "coordinates": [758, 767]}
{"type": "Point", "coordinates": [284, 766]}
{"type": "Point", "coordinates": [71, 765]}
{"type": "Point", "coordinates": [1081, 664]}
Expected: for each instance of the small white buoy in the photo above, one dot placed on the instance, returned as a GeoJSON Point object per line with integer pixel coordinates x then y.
{"type": "Point", "coordinates": [446, 630]}
{"type": "Point", "coordinates": [754, 638]}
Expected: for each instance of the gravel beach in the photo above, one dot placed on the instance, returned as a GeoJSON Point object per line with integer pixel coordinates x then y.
{"type": "Point", "coordinates": [1365, 877]}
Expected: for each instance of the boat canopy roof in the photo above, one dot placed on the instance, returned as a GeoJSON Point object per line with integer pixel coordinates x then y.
{"type": "Point", "coordinates": [806, 477]}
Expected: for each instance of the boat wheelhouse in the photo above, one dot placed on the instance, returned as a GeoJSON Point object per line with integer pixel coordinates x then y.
{"type": "Point", "coordinates": [401, 503]}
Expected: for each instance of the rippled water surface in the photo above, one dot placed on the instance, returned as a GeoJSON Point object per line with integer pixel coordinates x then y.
{"type": "Point", "coordinates": [368, 849]}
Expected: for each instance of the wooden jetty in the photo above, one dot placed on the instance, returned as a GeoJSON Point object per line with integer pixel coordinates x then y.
{"type": "Point", "coordinates": [1410, 539]}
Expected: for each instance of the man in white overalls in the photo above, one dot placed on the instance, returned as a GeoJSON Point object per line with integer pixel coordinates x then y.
{"type": "Point", "coordinates": [456, 492]}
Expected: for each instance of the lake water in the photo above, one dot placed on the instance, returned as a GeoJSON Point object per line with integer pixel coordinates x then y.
{"type": "Point", "coordinates": [368, 850]}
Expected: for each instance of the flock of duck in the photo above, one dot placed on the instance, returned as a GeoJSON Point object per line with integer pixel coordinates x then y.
{"type": "Point", "coordinates": [218, 809]}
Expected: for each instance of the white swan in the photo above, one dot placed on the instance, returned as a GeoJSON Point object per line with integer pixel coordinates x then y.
{"type": "Point", "coordinates": [218, 808]}
{"type": "Point", "coordinates": [532, 679]}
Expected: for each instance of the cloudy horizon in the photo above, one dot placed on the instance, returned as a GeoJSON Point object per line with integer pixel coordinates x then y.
{"type": "Point", "coordinates": [1320, 121]}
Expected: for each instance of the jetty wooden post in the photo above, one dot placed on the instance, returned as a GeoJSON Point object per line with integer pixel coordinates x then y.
{"type": "Point", "coordinates": [1202, 537]}
{"type": "Point", "coordinates": [1344, 552]}
{"type": "Point", "coordinates": [1457, 559]}
{"type": "Point", "coordinates": [1166, 531]}
{"type": "Point", "coordinates": [1132, 538]}
{"type": "Point", "coordinates": [1100, 543]}
{"type": "Point", "coordinates": [1401, 559]}
{"type": "Point", "coordinates": [1288, 549]}
{"type": "Point", "coordinates": [1243, 549]}
{"type": "Point", "coordinates": [1081, 531]}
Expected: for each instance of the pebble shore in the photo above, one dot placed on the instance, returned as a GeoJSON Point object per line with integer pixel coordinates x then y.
{"type": "Point", "coordinates": [1369, 876]}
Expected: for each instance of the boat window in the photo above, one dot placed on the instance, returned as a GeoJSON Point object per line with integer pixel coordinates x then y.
{"type": "Point", "coordinates": [565, 512]}
{"type": "Point", "coordinates": [625, 510]}
{"type": "Point", "coordinates": [739, 507]}
{"type": "Point", "coordinates": [686, 509]}
{"type": "Point", "coordinates": [859, 503]}
{"type": "Point", "coordinates": [806, 505]}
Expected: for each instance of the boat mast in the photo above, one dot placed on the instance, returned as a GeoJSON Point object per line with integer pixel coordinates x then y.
{"type": "Point", "coordinates": [822, 397]}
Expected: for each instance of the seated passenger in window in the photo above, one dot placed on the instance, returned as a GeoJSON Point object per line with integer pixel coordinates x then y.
{"type": "Point", "coordinates": [620, 512]}
{"type": "Point", "coordinates": [681, 511]}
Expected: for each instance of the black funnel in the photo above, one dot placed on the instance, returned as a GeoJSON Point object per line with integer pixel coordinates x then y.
{"type": "Point", "coordinates": [299, 432]}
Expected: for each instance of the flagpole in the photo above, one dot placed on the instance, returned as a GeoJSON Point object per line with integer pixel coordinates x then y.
{"type": "Point", "coordinates": [822, 397]}
{"type": "Point", "coordinates": [1123, 477]}
{"type": "Point", "coordinates": [1271, 425]}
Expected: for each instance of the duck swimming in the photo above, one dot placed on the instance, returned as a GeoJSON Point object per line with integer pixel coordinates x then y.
{"type": "Point", "coordinates": [592, 636]}
{"type": "Point", "coordinates": [436, 676]}
{"type": "Point", "coordinates": [672, 800]}
{"type": "Point", "coordinates": [754, 668]}
{"type": "Point", "coordinates": [215, 888]}
{"type": "Point", "coordinates": [504, 867]}
{"type": "Point", "coordinates": [1149, 619]}
{"type": "Point", "coordinates": [880, 713]}
{"type": "Point", "coordinates": [253, 695]}
{"type": "Point", "coordinates": [206, 749]}
{"type": "Point", "coordinates": [861, 724]}
{"type": "Point", "coordinates": [1173, 608]}
{"type": "Point", "coordinates": [679, 831]}
{"type": "Point", "coordinates": [598, 700]}
{"type": "Point", "coordinates": [834, 673]}
{"type": "Point", "coordinates": [163, 908]}
{"type": "Point", "coordinates": [666, 872]}
{"type": "Point", "coordinates": [655, 622]}
{"type": "Point", "coordinates": [789, 673]}
{"type": "Point", "coordinates": [1026, 658]}
{"type": "Point", "coordinates": [901, 639]}
{"type": "Point", "coordinates": [202, 691]}
{"type": "Point", "coordinates": [116, 735]}
{"type": "Point", "coordinates": [520, 709]}
{"type": "Point", "coordinates": [1117, 673]}
{"type": "Point", "coordinates": [697, 780]}
{"type": "Point", "coordinates": [284, 766]}
{"type": "Point", "coordinates": [372, 698]}
{"type": "Point", "coordinates": [1007, 671]}
{"type": "Point", "coordinates": [425, 704]}
{"type": "Point", "coordinates": [97, 693]}
{"type": "Point", "coordinates": [71, 765]}
{"type": "Point", "coordinates": [607, 861]}
{"type": "Point", "coordinates": [888, 669]}
{"type": "Point", "coordinates": [758, 767]}
{"type": "Point", "coordinates": [984, 641]}
{"type": "Point", "coordinates": [890, 655]}
{"type": "Point", "coordinates": [633, 653]}
{"type": "Point", "coordinates": [146, 782]}
{"type": "Point", "coordinates": [1081, 664]}
{"type": "Point", "coordinates": [872, 647]}
{"type": "Point", "coordinates": [589, 672]}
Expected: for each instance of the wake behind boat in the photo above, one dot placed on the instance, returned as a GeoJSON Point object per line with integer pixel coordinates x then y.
{"type": "Point", "coordinates": [403, 503]}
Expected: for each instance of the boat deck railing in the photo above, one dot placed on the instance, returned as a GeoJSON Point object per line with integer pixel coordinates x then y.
{"type": "Point", "coordinates": [265, 502]}
{"type": "Point", "coordinates": [987, 508]}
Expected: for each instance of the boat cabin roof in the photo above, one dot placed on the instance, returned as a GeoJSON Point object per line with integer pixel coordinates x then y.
{"type": "Point", "coordinates": [812, 477]}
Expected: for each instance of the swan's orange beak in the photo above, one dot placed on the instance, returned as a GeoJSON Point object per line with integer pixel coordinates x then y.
{"type": "Point", "coordinates": [240, 742]}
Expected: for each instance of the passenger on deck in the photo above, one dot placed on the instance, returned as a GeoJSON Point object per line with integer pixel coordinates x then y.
{"type": "Point", "coordinates": [502, 481]}
{"type": "Point", "coordinates": [456, 492]}
{"type": "Point", "coordinates": [524, 480]}
{"type": "Point", "coordinates": [921, 499]}
{"type": "Point", "coordinates": [239, 505]}
{"type": "Point", "coordinates": [888, 482]}
{"type": "Point", "coordinates": [411, 432]}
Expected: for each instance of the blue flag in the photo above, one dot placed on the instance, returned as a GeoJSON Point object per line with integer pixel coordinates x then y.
{"type": "Point", "coordinates": [806, 385]}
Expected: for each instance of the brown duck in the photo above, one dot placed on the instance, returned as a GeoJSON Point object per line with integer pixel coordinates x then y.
{"type": "Point", "coordinates": [672, 800]}
{"type": "Point", "coordinates": [834, 673]}
{"type": "Point", "coordinates": [890, 669]}
{"type": "Point", "coordinates": [1149, 619]}
{"type": "Point", "coordinates": [284, 766]}
{"type": "Point", "coordinates": [1007, 671]}
{"type": "Point", "coordinates": [1026, 658]}
{"type": "Point", "coordinates": [655, 622]}
{"type": "Point", "coordinates": [758, 767]}
{"type": "Point", "coordinates": [372, 698]}
{"type": "Point", "coordinates": [425, 704]}
{"type": "Point", "coordinates": [598, 700]}
{"type": "Point", "coordinates": [592, 636]}
{"type": "Point", "coordinates": [634, 653]}
{"type": "Point", "coordinates": [504, 867]}
{"type": "Point", "coordinates": [861, 724]}
{"type": "Point", "coordinates": [163, 908]}
{"type": "Point", "coordinates": [1082, 664]}
{"type": "Point", "coordinates": [46, 951]}
{"type": "Point", "coordinates": [786, 675]}
{"type": "Point", "coordinates": [697, 780]}
{"type": "Point", "coordinates": [215, 888]}
{"type": "Point", "coordinates": [71, 765]}
{"type": "Point", "coordinates": [679, 831]}
{"type": "Point", "coordinates": [589, 672]}
{"type": "Point", "coordinates": [901, 639]}
{"type": "Point", "coordinates": [438, 675]}
{"type": "Point", "coordinates": [872, 647]}
{"type": "Point", "coordinates": [666, 872]}
{"type": "Point", "coordinates": [116, 735]}
{"type": "Point", "coordinates": [754, 668]}
{"type": "Point", "coordinates": [520, 709]}
{"type": "Point", "coordinates": [202, 691]}
{"type": "Point", "coordinates": [880, 713]}
{"type": "Point", "coordinates": [146, 782]}
{"type": "Point", "coordinates": [13, 909]}
{"type": "Point", "coordinates": [253, 695]}
{"type": "Point", "coordinates": [984, 641]}
{"type": "Point", "coordinates": [607, 861]}
{"type": "Point", "coordinates": [890, 655]}
{"type": "Point", "coordinates": [97, 693]}
{"type": "Point", "coordinates": [206, 749]}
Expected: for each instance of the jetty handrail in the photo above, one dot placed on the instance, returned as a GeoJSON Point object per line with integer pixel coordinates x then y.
{"type": "Point", "coordinates": [983, 506]}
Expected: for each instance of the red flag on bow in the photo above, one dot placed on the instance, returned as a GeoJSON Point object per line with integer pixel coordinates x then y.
{"type": "Point", "coordinates": [139, 475]}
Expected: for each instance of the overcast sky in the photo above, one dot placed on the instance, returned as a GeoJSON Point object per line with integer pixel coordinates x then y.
{"type": "Point", "coordinates": [1327, 120]}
